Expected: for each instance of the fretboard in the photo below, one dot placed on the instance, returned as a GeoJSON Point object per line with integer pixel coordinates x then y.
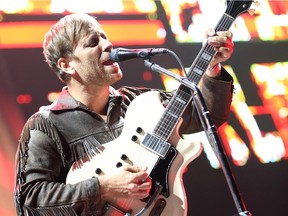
{"type": "Point", "coordinates": [183, 95]}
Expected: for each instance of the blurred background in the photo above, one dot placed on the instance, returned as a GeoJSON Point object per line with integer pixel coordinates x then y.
{"type": "Point", "coordinates": [255, 138]}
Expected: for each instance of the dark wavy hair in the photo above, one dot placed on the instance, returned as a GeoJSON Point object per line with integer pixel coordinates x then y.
{"type": "Point", "coordinates": [62, 39]}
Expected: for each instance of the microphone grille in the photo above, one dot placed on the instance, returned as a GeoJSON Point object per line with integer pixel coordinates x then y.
{"type": "Point", "coordinates": [114, 55]}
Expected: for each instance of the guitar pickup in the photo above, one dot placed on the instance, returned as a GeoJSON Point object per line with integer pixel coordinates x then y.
{"type": "Point", "coordinates": [155, 145]}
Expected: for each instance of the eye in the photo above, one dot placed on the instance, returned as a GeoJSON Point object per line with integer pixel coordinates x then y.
{"type": "Point", "coordinates": [103, 36]}
{"type": "Point", "coordinates": [93, 42]}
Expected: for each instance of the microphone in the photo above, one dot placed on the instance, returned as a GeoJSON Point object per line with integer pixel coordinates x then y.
{"type": "Point", "coordinates": [122, 54]}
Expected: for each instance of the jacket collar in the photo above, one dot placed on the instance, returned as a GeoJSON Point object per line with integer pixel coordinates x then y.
{"type": "Point", "coordinates": [66, 102]}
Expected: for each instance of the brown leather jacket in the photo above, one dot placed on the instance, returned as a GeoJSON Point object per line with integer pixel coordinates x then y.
{"type": "Point", "coordinates": [66, 131]}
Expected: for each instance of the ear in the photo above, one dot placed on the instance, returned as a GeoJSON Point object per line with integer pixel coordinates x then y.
{"type": "Point", "coordinates": [65, 65]}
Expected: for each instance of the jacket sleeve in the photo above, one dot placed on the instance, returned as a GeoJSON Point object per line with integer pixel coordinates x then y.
{"type": "Point", "coordinates": [40, 185]}
{"type": "Point", "coordinates": [217, 95]}
{"type": "Point", "coordinates": [216, 92]}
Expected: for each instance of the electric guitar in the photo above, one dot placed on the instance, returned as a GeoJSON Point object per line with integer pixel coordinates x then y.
{"type": "Point", "coordinates": [150, 138]}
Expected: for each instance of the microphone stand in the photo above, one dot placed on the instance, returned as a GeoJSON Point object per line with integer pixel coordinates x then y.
{"type": "Point", "coordinates": [211, 133]}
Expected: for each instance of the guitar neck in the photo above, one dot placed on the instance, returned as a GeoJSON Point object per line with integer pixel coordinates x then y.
{"type": "Point", "coordinates": [183, 95]}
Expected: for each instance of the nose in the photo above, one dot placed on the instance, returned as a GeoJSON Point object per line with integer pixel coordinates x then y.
{"type": "Point", "coordinates": [107, 46]}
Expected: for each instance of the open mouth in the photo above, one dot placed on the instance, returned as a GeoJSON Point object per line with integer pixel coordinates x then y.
{"type": "Point", "coordinates": [108, 62]}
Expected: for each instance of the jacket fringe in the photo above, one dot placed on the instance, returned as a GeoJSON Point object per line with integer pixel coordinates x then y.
{"type": "Point", "coordinates": [85, 150]}
{"type": "Point", "coordinates": [50, 211]}
{"type": "Point", "coordinates": [38, 122]}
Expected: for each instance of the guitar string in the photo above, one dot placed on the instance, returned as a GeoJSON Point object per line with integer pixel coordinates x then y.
{"type": "Point", "coordinates": [224, 24]}
{"type": "Point", "coordinates": [195, 76]}
{"type": "Point", "coordinates": [144, 153]}
{"type": "Point", "coordinates": [210, 48]}
{"type": "Point", "coordinates": [142, 158]}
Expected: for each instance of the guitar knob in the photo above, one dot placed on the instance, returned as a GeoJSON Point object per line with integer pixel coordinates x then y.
{"type": "Point", "coordinates": [119, 164]}
{"type": "Point", "coordinates": [139, 130]}
{"type": "Point", "coordinates": [123, 157]}
{"type": "Point", "coordinates": [134, 138]}
{"type": "Point", "coordinates": [98, 171]}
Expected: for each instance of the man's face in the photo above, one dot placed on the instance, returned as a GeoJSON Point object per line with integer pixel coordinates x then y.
{"type": "Point", "coordinates": [91, 59]}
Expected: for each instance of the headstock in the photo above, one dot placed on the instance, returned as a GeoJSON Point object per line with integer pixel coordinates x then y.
{"type": "Point", "coordinates": [237, 7]}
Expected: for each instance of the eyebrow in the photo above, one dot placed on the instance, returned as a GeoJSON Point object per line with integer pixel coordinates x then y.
{"type": "Point", "coordinates": [90, 37]}
{"type": "Point", "coordinates": [98, 33]}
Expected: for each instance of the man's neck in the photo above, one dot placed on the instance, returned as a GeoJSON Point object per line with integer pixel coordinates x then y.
{"type": "Point", "coordinates": [96, 99]}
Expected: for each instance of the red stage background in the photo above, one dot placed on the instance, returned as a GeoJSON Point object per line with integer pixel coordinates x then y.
{"type": "Point", "coordinates": [255, 137]}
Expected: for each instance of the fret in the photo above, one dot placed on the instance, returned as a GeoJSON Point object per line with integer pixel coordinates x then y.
{"type": "Point", "coordinates": [171, 115]}
{"type": "Point", "coordinates": [198, 70]}
{"type": "Point", "coordinates": [165, 163]}
{"type": "Point", "coordinates": [206, 56]}
{"type": "Point", "coordinates": [183, 95]}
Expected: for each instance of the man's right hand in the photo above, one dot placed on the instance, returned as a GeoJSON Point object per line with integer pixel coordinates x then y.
{"type": "Point", "coordinates": [129, 182]}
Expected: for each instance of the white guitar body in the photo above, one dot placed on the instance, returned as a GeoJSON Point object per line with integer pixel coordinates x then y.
{"type": "Point", "coordinates": [165, 168]}
{"type": "Point", "coordinates": [144, 112]}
